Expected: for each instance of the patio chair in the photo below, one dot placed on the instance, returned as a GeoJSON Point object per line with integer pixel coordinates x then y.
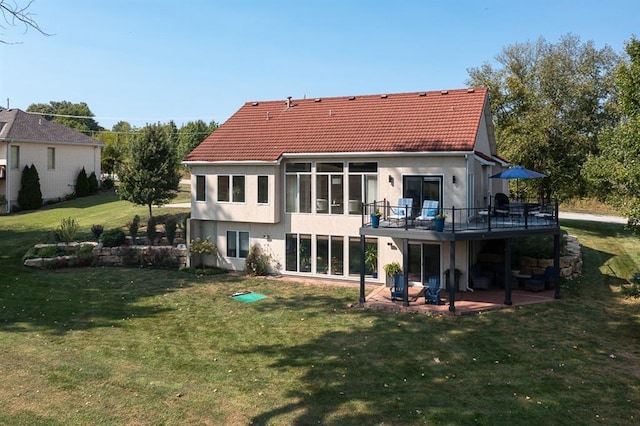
{"type": "Point", "coordinates": [501, 204]}
{"type": "Point", "coordinates": [403, 210]}
{"type": "Point", "coordinates": [432, 292]}
{"type": "Point", "coordinates": [397, 291]}
{"type": "Point", "coordinates": [479, 281]}
{"type": "Point", "coordinates": [429, 211]}
{"type": "Point", "coordinates": [543, 281]}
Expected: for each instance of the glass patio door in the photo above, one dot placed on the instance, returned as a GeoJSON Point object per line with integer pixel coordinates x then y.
{"type": "Point", "coordinates": [420, 188]}
{"type": "Point", "coordinates": [424, 262]}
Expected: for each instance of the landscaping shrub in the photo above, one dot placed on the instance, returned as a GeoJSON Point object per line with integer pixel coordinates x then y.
{"type": "Point", "coordinates": [97, 230]}
{"type": "Point", "coordinates": [151, 230]}
{"type": "Point", "coordinates": [257, 262]}
{"type": "Point", "coordinates": [133, 228]}
{"type": "Point", "coordinates": [170, 226]}
{"type": "Point", "coordinates": [30, 194]}
{"type": "Point", "coordinates": [82, 184]}
{"type": "Point", "coordinates": [67, 230]}
{"type": "Point", "coordinates": [107, 184]}
{"type": "Point", "coordinates": [113, 237]}
{"type": "Point", "coordinates": [93, 184]}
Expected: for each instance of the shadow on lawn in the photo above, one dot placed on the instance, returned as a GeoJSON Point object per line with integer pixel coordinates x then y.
{"type": "Point", "coordinates": [59, 301]}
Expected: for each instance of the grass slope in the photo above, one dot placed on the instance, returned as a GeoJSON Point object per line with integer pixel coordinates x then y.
{"type": "Point", "coordinates": [132, 346]}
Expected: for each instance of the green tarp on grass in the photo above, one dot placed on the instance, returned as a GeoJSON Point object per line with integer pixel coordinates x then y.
{"type": "Point", "coordinates": [248, 297]}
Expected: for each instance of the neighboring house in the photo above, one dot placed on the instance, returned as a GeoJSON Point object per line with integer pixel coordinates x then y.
{"type": "Point", "coordinates": [300, 177]}
{"type": "Point", "coordinates": [58, 152]}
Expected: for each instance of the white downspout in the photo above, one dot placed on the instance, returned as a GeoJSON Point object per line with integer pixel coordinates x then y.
{"type": "Point", "coordinates": [7, 181]}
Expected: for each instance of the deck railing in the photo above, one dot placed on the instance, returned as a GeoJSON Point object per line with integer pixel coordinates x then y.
{"type": "Point", "coordinates": [522, 214]}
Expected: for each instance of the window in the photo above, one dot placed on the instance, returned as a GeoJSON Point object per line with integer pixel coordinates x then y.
{"type": "Point", "coordinates": [201, 188]}
{"type": "Point", "coordinates": [298, 260]}
{"type": "Point", "coordinates": [298, 187]}
{"type": "Point", "coordinates": [231, 188]}
{"type": "Point", "coordinates": [237, 244]}
{"type": "Point", "coordinates": [51, 158]}
{"type": "Point", "coordinates": [329, 255]}
{"type": "Point", "coordinates": [354, 254]}
{"type": "Point", "coordinates": [223, 188]}
{"type": "Point", "coordinates": [15, 157]}
{"type": "Point", "coordinates": [363, 185]}
{"type": "Point", "coordinates": [263, 189]}
{"type": "Point", "coordinates": [329, 188]}
{"type": "Point", "coordinates": [238, 189]}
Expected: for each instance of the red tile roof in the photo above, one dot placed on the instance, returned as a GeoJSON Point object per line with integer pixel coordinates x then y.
{"type": "Point", "coordinates": [405, 122]}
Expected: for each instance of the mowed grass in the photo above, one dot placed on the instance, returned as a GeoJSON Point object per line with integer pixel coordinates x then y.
{"type": "Point", "coordinates": [134, 346]}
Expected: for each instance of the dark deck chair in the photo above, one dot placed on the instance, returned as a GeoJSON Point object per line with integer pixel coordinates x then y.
{"type": "Point", "coordinates": [432, 292]}
{"type": "Point", "coordinates": [542, 282]}
{"type": "Point", "coordinates": [397, 291]}
{"type": "Point", "coordinates": [479, 281]}
{"type": "Point", "coordinates": [501, 204]}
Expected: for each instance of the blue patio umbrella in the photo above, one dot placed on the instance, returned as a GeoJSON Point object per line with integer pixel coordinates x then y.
{"type": "Point", "coordinates": [518, 172]}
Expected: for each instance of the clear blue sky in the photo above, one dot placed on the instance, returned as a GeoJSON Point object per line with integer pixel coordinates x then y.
{"type": "Point", "coordinates": [155, 60]}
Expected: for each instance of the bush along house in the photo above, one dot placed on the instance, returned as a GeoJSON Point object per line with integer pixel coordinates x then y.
{"type": "Point", "coordinates": [339, 187]}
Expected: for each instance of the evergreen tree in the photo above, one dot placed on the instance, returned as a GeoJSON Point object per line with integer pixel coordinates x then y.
{"type": "Point", "coordinates": [93, 184]}
{"type": "Point", "coordinates": [150, 175]}
{"type": "Point", "coordinates": [30, 195]}
{"type": "Point", "coordinates": [82, 184]}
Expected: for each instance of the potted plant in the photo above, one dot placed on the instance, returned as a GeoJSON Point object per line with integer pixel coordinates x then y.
{"type": "Point", "coordinates": [439, 221]}
{"type": "Point", "coordinates": [371, 259]}
{"type": "Point", "coordinates": [394, 270]}
{"type": "Point", "coordinates": [375, 218]}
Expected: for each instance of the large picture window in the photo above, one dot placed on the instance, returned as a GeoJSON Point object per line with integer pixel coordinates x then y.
{"type": "Point", "coordinates": [329, 255]}
{"type": "Point", "coordinates": [363, 185]}
{"type": "Point", "coordinates": [237, 244]}
{"type": "Point", "coordinates": [298, 252]}
{"type": "Point", "coordinates": [298, 188]}
{"type": "Point", "coordinates": [329, 188]}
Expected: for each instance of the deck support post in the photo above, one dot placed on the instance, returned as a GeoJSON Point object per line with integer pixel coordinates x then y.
{"type": "Point", "coordinates": [405, 268]}
{"type": "Point", "coordinates": [556, 265]}
{"type": "Point", "coordinates": [452, 276]}
{"type": "Point", "coordinates": [507, 272]}
{"type": "Point", "coordinates": [362, 245]}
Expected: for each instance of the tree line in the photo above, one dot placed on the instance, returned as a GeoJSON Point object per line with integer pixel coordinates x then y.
{"type": "Point", "coordinates": [571, 111]}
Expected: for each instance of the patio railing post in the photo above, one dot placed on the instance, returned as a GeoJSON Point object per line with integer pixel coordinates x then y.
{"type": "Point", "coordinates": [453, 218]}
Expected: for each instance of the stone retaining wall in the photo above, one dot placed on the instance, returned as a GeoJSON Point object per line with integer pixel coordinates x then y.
{"type": "Point", "coordinates": [570, 263]}
{"type": "Point", "coordinates": [151, 256]}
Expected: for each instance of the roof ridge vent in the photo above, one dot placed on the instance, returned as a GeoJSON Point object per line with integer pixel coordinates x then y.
{"type": "Point", "coordinates": [444, 92]}
{"type": "Point", "coordinates": [317, 100]}
{"type": "Point", "coordinates": [288, 102]}
{"type": "Point", "coordinates": [385, 96]}
{"type": "Point", "coordinates": [471, 90]}
{"type": "Point", "coordinates": [351, 98]}
{"type": "Point", "coordinates": [254, 104]}
{"type": "Point", "coordinates": [422, 94]}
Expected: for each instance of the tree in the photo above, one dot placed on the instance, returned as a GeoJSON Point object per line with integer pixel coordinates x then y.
{"type": "Point", "coordinates": [614, 174]}
{"type": "Point", "coordinates": [14, 14]}
{"type": "Point", "coordinates": [550, 104]}
{"type": "Point", "coordinates": [116, 142]}
{"type": "Point", "coordinates": [192, 134]}
{"type": "Point", "coordinates": [77, 116]}
{"type": "Point", "coordinates": [30, 194]}
{"type": "Point", "coordinates": [82, 184]}
{"type": "Point", "coordinates": [149, 175]}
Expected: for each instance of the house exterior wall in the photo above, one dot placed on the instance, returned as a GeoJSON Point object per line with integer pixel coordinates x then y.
{"type": "Point", "coordinates": [268, 224]}
{"type": "Point", "coordinates": [60, 181]}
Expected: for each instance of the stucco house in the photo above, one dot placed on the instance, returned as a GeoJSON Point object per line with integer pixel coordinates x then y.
{"type": "Point", "coordinates": [300, 177]}
{"type": "Point", "coordinates": [58, 152]}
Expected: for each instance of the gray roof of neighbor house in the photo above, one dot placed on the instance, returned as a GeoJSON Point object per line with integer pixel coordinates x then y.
{"type": "Point", "coordinates": [19, 126]}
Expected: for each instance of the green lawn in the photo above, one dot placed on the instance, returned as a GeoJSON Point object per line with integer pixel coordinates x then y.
{"type": "Point", "coordinates": [133, 346]}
